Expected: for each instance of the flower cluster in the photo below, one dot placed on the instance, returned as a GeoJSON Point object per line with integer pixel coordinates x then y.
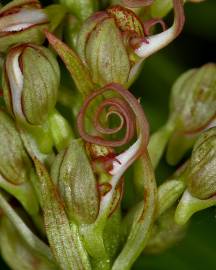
{"type": "Point", "coordinates": [65, 172]}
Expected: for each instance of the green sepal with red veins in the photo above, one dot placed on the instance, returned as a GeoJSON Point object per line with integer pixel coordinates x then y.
{"type": "Point", "coordinates": [78, 71]}
{"type": "Point", "coordinates": [106, 54]}
{"type": "Point", "coordinates": [22, 21]}
{"type": "Point", "coordinates": [119, 32]}
{"type": "Point", "coordinates": [82, 8]}
{"type": "Point", "coordinates": [192, 109]}
{"type": "Point", "coordinates": [17, 253]}
{"type": "Point", "coordinates": [73, 175]}
{"type": "Point", "coordinates": [62, 234]}
{"type": "Point", "coordinates": [15, 165]}
{"type": "Point", "coordinates": [201, 176]}
{"type": "Point", "coordinates": [30, 83]}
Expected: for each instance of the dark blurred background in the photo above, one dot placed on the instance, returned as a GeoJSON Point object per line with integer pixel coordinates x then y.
{"type": "Point", "coordinates": [195, 47]}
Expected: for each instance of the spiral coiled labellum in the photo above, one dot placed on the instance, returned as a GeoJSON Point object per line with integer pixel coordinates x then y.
{"type": "Point", "coordinates": [130, 111]}
{"type": "Point", "coordinates": [119, 107]}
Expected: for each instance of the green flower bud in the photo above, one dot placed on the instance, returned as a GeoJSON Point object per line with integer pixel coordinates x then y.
{"type": "Point", "coordinates": [15, 165]}
{"type": "Point", "coordinates": [201, 174]}
{"type": "Point", "coordinates": [114, 43]}
{"type": "Point", "coordinates": [74, 177]}
{"type": "Point", "coordinates": [193, 109]}
{"type": "Point", "coordinates": [104, 51]}
{"type": "Point", "coordinates": [22, 21]}
{"type": "Point", "coordinates": [30, 83]}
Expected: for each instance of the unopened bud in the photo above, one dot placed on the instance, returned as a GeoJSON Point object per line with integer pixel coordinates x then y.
{"type": "Point", "coordinates": [201, 174]}
{"type": "Point", "coordinates": [74, 177]}
{"type": "Point", "coordinates": [30, 83]}
{"type": "Point", "coordinates": [193, 108]}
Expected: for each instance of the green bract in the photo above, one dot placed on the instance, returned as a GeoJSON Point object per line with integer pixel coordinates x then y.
{"type": "Point", "coordinates": [22, 21]}
{"type": "Point", "coordinates": [30, 83]}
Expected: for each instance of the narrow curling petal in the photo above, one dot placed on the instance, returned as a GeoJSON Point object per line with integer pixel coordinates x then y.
{"type": "Point", "coordinates": [159, 41]}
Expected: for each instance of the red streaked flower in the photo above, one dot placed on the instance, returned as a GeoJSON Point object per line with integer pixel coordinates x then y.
{"type": "Point", "coordinates": [30, 83]}
{"type": "Point", "coordinates": [22, 21]}
{"type": "Point", "coordinates": [113, 43]}
{"type": "Point", "coordinates": [128, 108]}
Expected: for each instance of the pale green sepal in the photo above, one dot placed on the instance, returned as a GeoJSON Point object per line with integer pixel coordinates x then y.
{"type": "Point", "coordinates": [106, 54]}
